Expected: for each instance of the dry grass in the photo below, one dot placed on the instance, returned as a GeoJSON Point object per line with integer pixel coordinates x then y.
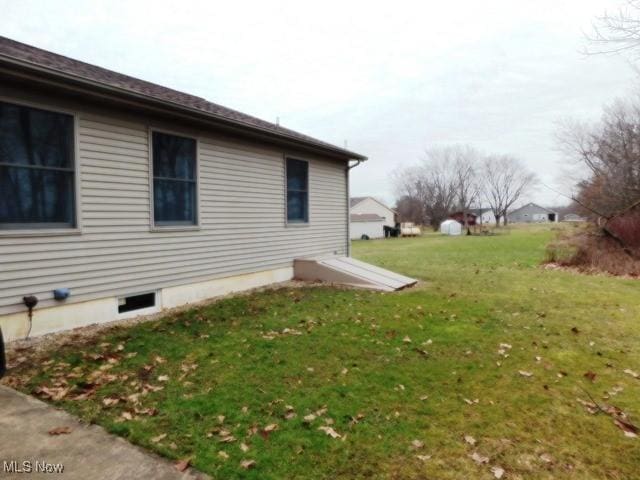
{"type": "Point", "coordinates": [589, 250]}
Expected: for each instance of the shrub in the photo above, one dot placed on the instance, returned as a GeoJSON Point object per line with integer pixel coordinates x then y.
{"type": "Point", "coordinates": [591, 250]}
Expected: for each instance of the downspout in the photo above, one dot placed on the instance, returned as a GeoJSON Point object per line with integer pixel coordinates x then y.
{"type": "Point", "coordinates": [349, 167]}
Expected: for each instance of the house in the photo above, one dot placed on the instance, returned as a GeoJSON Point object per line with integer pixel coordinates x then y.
{"type": "Point", "coordinates": [458, 216]}
{"type": "Point", "coordinates": [532, 213]}
{"type": "Point", "coordinates": [484, 216]}
{"type": "Point", "coordinates": [366, 213]}
{"type": "Point", "coordinates": [120, 197]}
{"type": "Point", "coordinates": [370, 225]}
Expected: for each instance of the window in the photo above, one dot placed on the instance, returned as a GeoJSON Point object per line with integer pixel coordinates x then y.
{"type": "Point", "coordinates": [136, 302]}
{"type": "Point", "coordinates": [36, 168]}
{"type": "Point", "coordinates": [174, 180]}
{"type": "Point", "coordinates": [297, 191]}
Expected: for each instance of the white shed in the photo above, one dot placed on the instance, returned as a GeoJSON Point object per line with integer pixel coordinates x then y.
{"type": "Point", "coordinates": [368, 224]}
{"type": "Point", "coordinates": [451, 227]}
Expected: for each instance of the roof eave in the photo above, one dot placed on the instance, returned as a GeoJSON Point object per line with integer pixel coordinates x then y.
{"type": "Point", "coordinates": [193, 112]}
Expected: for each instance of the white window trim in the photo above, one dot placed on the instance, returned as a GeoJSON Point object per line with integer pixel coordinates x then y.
{"type": "Point", "coordinates": [294, 224]}
{"type": "Point", "coordinates": [77, 197]}
{"type": "Point", "coordinates": [173, 228]}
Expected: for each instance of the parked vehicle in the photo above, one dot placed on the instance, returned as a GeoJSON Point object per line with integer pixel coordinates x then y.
{"type": "Point", "coordinates": [408, 229]}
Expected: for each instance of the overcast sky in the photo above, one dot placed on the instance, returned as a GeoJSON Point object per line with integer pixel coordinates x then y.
{"type": "Point", "coordinates": [390, 78]}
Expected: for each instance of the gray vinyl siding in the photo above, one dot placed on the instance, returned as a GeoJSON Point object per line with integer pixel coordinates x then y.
{"type": "Point", "coordinates": [241, 213]}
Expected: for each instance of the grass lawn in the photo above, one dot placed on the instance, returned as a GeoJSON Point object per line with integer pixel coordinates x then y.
{"type": "Point", "coordinates": [402, 378]}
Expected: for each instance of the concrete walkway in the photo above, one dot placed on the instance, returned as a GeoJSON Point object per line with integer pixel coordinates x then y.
{"type": "Point", "coordinates": [88, 452]}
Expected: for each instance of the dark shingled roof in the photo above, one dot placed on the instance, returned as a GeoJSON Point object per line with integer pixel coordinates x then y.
{"type": "Point", "coordinates": [366, 217]}
{"type": "Point", "coordinates": [68, 66]}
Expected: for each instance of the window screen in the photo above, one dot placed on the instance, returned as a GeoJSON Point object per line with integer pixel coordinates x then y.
{"type": "Point", "coordinates": [174, 180]}
{"type": "Point", "coordinates": [297, 191]}
{"type": "Point", "coordinates": [36, 168]}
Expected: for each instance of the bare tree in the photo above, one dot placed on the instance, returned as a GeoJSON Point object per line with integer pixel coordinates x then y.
{"type": "Point", "coordinates": [506, 180]}
{"type": "Point", "coordinates": [616, 32]}
{"type": "Point", "coordinates": [410, 209]}
{"type": "Point", "coordinates": [610, 153]}
{"type": "Point", "coordinates": [445, 180]}
{"type": "Point", "coordinates": [467, 182]}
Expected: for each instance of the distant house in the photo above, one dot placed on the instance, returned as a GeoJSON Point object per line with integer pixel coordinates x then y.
{"type": "Point", "coordinates": [573, 217]}
{"type": "Point", "coordinates": [484, 216]}
{"type": "Point", "coordinates": [369, 217]}
{"type": "Point", "coordinates": [458, 216]}
{"type": "Point", "coordinates": [532, 213]}
{"type": "Point", "coordinates": [369, 224]}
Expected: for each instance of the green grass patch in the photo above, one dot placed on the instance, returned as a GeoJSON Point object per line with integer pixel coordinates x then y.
{"type": "Point", "coordinates": [379, 369]}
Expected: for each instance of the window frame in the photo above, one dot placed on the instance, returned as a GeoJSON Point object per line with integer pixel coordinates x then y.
{"type": "Point", "coordinates": [32, 229]}
{"type": "Point", "coordinates": [173, 227]}
{"type": "Point", "coordinates": [297, 223]}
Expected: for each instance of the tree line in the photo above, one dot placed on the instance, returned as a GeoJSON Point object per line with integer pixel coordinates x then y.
{"type": "Point", "coordinates": [459, 178]}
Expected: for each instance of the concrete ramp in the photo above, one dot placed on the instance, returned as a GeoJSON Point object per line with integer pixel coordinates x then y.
{"type": "Point", "coordinates": [348, 271]}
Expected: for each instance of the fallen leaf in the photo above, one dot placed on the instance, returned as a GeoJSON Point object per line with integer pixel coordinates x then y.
{"type": "Point", "coordinates": [309, 418]}
{"type": "Point", "coordinates": [628, 371]}
{"type": "Point", "coordinates": [416, 444]}
{"type": "Point", "coordinates": [160, 437]}
{"type": "Point", "coordinates": [247, 464]}
{"type": "Point", "coordinates": [546, 458]}
{"type": "Point", "coordinates": [629, 429]}
{"type": "Point", "coordinates": [330, 431]}
{"type": "Point", "coordinates": [163, 378]}
{"type": "Point", "coordinates": [498, 472]}
{"type": "Point", "coordinates": [406, 339]}
{"type": "Point", "coordinates": [244, 447]}
{"type": "Point", "coordinates": [110, 401]}
{"type": "Point", "coordinates": [424, 458]}
{"type": "Point", "coordinates": [271, 427]}
{"type": "Point", "coordinates": [60, 431]}
{"type": "Point", "coordinates": [479, 459]}
{"type": "Point", "coordinates": [525, 373]}
{"type": "Point", "coordinates": [182, 465]}
{"type": "Point", "coordinates": [591, 407]}
{"type": "Point", "coordinates": [469, 439]}
{"type": "Point", "coordinates": [223, 454]}
{"type": "Point", "coordinates": [227, 438]}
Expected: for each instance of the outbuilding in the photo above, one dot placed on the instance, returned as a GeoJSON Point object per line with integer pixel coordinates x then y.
{"type": "Point", "coordinates": [366, 225]}
{"type": "Point", "coordinates": [369, 216]}
{"type": "Point", "coordinates": [532, 213]}
{"type": "Point", "coordinates": [451, 227]}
